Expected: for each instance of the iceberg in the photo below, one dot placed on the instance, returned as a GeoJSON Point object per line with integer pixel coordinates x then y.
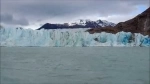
{"type": "Point", "coordinates": [69, 38]}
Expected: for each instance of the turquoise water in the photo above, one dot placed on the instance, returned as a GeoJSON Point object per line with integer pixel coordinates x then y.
{"type": "Point", "coordinates": [74, 65]}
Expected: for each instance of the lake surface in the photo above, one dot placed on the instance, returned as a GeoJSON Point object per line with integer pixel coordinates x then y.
{"type": "Point", "coordinates": [74, 65]}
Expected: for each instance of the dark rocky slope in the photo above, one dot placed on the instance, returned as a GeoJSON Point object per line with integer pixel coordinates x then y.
{"type": "Point", "coordinates": [138, 24]}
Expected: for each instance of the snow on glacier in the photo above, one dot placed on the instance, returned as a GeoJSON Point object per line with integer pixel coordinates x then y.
{"type": "Point", "coordinates": [69, 38]}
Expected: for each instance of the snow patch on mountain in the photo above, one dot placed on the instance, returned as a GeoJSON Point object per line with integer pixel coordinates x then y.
{"type": "Point", "coordinates": [84, 22]}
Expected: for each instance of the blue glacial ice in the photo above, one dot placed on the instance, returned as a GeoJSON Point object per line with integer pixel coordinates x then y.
{"type": "Point", "coordinates": [69, 38]}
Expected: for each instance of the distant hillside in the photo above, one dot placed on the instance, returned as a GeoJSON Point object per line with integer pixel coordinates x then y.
{"type": "Point", "coordinates": [80, 24]}
{"type": "Point", "coordinates": [138, 24]}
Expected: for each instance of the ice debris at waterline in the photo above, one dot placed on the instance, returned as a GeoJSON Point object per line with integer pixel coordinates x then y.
{"type": "Point", "coordinates": [69, 38]}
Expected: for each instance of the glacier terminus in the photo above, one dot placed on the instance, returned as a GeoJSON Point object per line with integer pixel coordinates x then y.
{"type": "Point", "coordinates": [69, 38]}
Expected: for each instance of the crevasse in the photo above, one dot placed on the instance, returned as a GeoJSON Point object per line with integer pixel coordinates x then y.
{"type": "Point", "coordinates": [69, 38]}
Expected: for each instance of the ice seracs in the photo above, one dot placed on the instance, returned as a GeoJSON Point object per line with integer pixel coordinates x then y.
{"type": "Point", "coordinates": [69, 38]}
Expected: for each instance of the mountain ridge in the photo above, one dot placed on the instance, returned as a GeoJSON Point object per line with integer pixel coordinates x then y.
{"type": "Point", "coordinates": [81, 24]}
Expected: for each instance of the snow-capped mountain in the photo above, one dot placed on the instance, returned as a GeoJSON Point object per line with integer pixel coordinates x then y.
{"type": "Point", "coordinates": [98, 23]}
{"type": "Point", "coordinates": [79, 24]}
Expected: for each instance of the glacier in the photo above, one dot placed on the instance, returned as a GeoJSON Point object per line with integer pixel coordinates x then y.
{"type": "Point", "coordinates": [69, 38]}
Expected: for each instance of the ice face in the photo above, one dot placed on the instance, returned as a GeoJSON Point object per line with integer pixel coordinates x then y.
{"type": "Point", "coordinates": [69, 38]}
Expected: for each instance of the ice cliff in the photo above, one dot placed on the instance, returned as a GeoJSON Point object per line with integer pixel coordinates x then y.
{"type": "Point", "coordinates": [69, 38]}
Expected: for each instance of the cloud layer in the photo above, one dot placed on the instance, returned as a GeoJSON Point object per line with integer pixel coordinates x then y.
{"type": "Point", "coordinates": [27, 12]}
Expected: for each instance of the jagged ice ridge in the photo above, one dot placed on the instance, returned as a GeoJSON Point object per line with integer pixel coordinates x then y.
{"type": "Point", "coordinates": [69, 38]}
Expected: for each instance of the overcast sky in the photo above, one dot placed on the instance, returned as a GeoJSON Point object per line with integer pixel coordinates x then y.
{"type": "Point", "coordinates": [34, 13]}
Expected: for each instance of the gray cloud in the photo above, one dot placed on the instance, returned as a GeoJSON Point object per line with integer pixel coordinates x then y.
{"type": "Point", "coordinates": [34, 10]}
{"type": "Point", "coordinates": [9, 19]}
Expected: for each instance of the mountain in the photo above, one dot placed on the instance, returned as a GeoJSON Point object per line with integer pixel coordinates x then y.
{"type": "Point", "coordinates": [80, 24]}
{"type": "Point", "coordinates": [138, 24]}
